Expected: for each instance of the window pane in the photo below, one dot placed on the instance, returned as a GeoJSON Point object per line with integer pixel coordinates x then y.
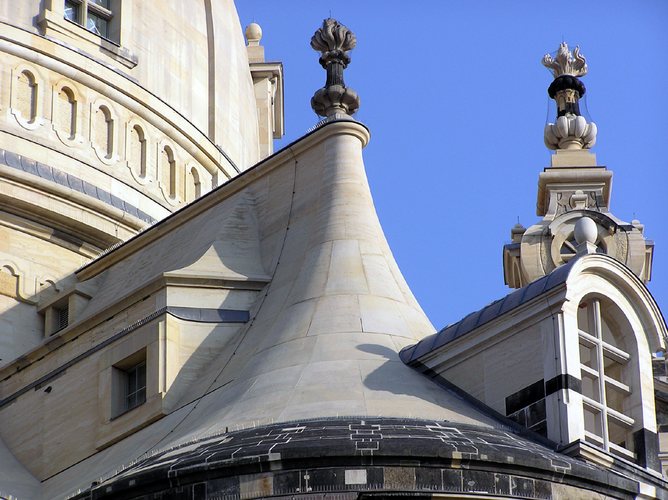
{"type": "Point", "coordinates": [588, 356]}
{"type": "Point", "coordinates": [141, 375]}
{"type": "Point", "coordinates": [619, 435]}
{"type": "Point", "coordinates": [592, 421]}
{"type": "Point", "coordinates": [583, 319]}
{"type": "Point", "coordinates": [591, 387]}
{"type": "Point", "coordinates": [72, 11]}
{"type": "Point", "coordinates": [97, 25]}
{"type": "Point", "coordinates": [613, 369]}
{"type": "Point", "coordinates": [614, 398]}
{"type": "Point", "coordinates": [102, 3]}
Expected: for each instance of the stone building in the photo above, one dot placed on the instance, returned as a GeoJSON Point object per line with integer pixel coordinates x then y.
{"type": "Point", "coordinates": [186, 314]}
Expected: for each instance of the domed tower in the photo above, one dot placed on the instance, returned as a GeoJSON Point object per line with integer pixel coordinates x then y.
{"type": "Point", "coordinates": [115, 114]}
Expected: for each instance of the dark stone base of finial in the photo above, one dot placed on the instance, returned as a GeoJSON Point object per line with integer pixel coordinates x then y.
{"type": "Point", "coordinates": [564, 82]}
{"type": "Point", "coordinates": [335, 99]}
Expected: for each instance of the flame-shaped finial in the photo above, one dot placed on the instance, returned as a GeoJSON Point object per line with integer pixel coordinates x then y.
{"type": "Point", "coordinates": [566, 63]}
{"type": "Point", "coordinates": [333, 40]}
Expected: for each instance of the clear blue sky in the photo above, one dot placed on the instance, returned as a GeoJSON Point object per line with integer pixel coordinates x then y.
{"type": "Point", "coordinates": [455, 97]}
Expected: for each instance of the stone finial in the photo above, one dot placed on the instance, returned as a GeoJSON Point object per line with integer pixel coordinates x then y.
{"type": "Point", "coordinates": [571, 130]}
{"type": "Point", "coordinates": [255, 51]}
{"type": "Point", "coordinates": [586, 234]}
{"type": "Point", "coordinates": [333, 40]}
{"type": "Point", "coordinates": [566, 63]}
{"type": "Point", "coordinates": [253, 34]}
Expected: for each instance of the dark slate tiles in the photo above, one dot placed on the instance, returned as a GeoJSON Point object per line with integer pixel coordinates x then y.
{"type": "Point", "coordinates": [49, 173]}
{"type": "Point", "coordinates": [486, 314]}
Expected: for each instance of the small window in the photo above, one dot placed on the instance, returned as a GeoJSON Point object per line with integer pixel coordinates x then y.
{"type": "Point", "coordinates": [62, 318]}
{"type": "Point", "coordinates": [56, 317]}
{"type": "Point", "coordinates": [94, 15]}
{"type": "Point", "coordinates": [129, 384]}
{"type": "Point", "coordinates": [135, 387]}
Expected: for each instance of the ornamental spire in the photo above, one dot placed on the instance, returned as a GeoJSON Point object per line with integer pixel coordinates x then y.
{"type": "Point", "coordinates": [334, 41]}
{"type": "Point", "coordinates": [571, 130]}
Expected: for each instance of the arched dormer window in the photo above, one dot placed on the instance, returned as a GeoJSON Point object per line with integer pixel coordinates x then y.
{"type": "Point", "coordinates": [137, 151]}
{"type": "Point", "coordinates": [609, 382]}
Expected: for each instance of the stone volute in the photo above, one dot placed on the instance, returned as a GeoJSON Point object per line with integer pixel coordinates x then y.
{"type": "Point", "coordinates": [571, 130]}
{"type": "Point", "coordinates": [334, 41]}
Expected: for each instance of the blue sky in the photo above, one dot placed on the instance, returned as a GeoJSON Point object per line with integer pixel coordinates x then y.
{"type": "Point", "coordinates": [455, 97]}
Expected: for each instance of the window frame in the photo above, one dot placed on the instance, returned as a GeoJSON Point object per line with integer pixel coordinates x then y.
{"type": "Point", "coordinates": [124, 373]}
{"type": "Point", "coordinates": [592, 339]}
{"type": "Point", "coordinates": [88, 7]}
{"type": "Point", "coordinates": [52, 22]}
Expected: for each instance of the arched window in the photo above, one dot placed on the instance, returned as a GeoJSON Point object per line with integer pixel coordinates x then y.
{"type": "Point", "coordinates": [608, 377]}
{"type": "Point", "coordinates": [65, 116]}
{"type": "Point", "coordinates": [103, 131]}
{"type": "Point", "coordinates": [137, 150]}
{"type": "Point", "coordinates": [168, 171]}
{"type": "Point", "coordinates": [194, 184]}
{"type": "Point", "coordinates": [26, 96]}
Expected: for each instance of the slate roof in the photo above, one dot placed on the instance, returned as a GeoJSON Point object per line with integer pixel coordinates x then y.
{"type": "Point", "coordinates": [488, 313]}
{"type": "Point", "coordinates": [436, 455]}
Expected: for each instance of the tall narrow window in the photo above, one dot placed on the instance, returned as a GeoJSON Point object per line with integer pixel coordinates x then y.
{"type": "Point", "coordinates": [168, 171]}
{"type": "Point", "coordinates": [606, 395]}
{"type": "Point", "coordinates": [94, 15]}
{"type": "Point", "coordinates": [137, 151]}
{"type": "Point", "coordinates": [135, 386]}
{"type": "Point", "coordinates": [128, 384]}
{"type": "Point", "coordinates": [65, 112]}
{"type": "Point", "coordinates": [103, 131]}
{"type": "Point", "coordinates": [26, 96]}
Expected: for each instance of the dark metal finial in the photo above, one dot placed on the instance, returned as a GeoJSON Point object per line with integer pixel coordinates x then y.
{"type": "Point", "coordinates": [333, 40]}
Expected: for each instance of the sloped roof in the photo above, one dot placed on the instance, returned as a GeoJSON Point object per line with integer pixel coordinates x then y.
{"type": "Point", "coordinates": [486, 314]}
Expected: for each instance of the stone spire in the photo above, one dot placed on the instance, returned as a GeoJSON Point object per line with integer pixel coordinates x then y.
{"type": "Point", "coordinates": [573, 193]}
{"type": "Point", "coordinates": [571, 130]}
{"type": "Point", "coordinates": [334, 41]}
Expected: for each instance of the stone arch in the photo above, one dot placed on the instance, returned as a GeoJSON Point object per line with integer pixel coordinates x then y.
{"type": "Point", "coordinates": [627, 330]}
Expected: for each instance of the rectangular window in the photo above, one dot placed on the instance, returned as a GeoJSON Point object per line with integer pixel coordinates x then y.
{"type": "Point", "coordinates": [135, 386]}
{"type": "Point", "coordinates": [128, 389]}
{"type": "Point", "coordinates": [72, 11]}
{"type": "Point", "coordinates": [62, 317]}
{"type": "Point", "coordinates": [94, 15]}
